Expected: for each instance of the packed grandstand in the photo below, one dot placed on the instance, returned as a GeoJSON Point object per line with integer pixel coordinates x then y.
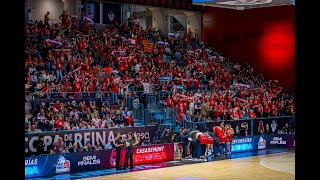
{"type": "Point", "coordinates": [196, 83]}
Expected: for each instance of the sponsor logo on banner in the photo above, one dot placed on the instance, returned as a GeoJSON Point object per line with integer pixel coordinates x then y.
{"type": "Point", "coordinates": [277, 140]}
{"type": "Point", "coordinates": [136, 103]}
{"type": "Point", "coordinates": [31, 166]}
{"type": "Point", "coordinates": [242, 144]}
{"type": "Point", "coordinates": [153, 153]}
{"type": "Point", "coordinates": [89, 160]}
{"type": "Point", "coordinates": [151, 157]}
{"type": "Point", "coordinates": [262, 143]}
{"type": "Point", "coordinates": [150, 149]}
{"type": "Point", "coordinates": [273, 126]}
{"type": "Point", "coordinates": [111, 16]}
{"type": "Point", "coordinates": [62, 165]}
{"type": "Point", "coordinates": [267, 127]}
{"type": "Point", "coordinates": [242, 140]}
{"type": "Point", "coordinates": [30, 162]}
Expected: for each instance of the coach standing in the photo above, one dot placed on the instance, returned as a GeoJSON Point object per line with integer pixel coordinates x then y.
{"type": "Point", "coordinates": [184, 143]}
{"type": "Point", "coordinates": [118, 144]}
{"type": "Point", "coordinates": [130, 142]}
{"type": "Point", "coordinates": [193, 143]}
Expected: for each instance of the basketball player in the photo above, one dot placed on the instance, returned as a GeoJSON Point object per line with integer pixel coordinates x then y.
{"type": "Point", "coordinates": [219, 132]}
{"type": "Point", "coordinates": [209, 148]}
{"type": "Point", "coordinates": [229, 135]}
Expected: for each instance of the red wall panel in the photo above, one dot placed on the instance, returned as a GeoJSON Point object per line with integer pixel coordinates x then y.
{"type": "Point", "coordinates": [264, 37]}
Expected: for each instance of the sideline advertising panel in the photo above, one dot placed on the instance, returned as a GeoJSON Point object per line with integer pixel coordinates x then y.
{"type": "Point", "coordinates": [251, 143]}
{"type": "Point", "coordinates": [82, 136]}
{"type": "Point", "coordinates": [280, 141]}
{"type": "Point", "coordinates": [49, 165]}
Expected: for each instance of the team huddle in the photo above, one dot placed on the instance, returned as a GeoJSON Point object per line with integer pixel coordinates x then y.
{"type": "Point", "coordinates": [204, 144]}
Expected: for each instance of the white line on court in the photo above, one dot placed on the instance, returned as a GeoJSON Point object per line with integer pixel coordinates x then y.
{"type": "Point", "coordinates": [261, 162]}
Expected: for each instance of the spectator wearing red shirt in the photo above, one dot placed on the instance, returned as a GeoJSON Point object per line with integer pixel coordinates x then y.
{"type": "Point", "coordinates": [59, 66]}
{"type": "Point", "coordinates": [274, 112]}
{"type": "Point", "coordinates": [115, 89]}
{"type": "Point", "coordinates": [259, 110]}
{"type": "Point", "coordinates": [216, 113]}
{"type": "Point", "coordinates": [73, 23]}
{"type": "Point", "coordinates": [221, 110]}
{"type": "Point", "coordinates": [46, 18]}
{"type": "Point", "coordinates": [77, 87]}
{"type": "Point", "coordinates": [58, 146]}
{"type": "Point", "coordinates": [45, 31]}
{"type": "Point", "coordinates": [129, 121]}
{"type": "Point", "coordinates": [53, 32]}
{"type": "Point", "coordinates": [58, 123]}
{"type": "Point", "coordinates": [251, 114]}
{"type": "Point", "coordinates": [266, 110]}
{"type": "Point", "coordinates": [180, 107]}
{"type": "Point", "coordinates": [234, 114]}
{"type": "Point", "coordinates": [64, 19]}
{"type": "Point", "coordinates": [229, 136]}
{"type": "Point", "coordinates": [169, 106]}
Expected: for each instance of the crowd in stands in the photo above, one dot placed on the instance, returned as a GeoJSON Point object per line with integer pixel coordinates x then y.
{"type": "Point", "coordinates": [73, 116]}
{"type": "Point", "coordinates": [203, 85]}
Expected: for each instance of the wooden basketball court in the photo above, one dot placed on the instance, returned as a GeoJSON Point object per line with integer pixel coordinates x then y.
{"type": "Point", "coordinates": [264, 167]}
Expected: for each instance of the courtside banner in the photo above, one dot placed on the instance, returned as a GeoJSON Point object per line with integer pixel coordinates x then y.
{"type": "Point", "coordinates": [280, 141]}
{"type": "Point", "coordinates": [81, 137]}
{"type": "Point", "coordinates": [259, 142]}
{"type": "Point", "coordinates": [245, 143]}
{"type": "Point", "coordinates": [143, 155]}
{"type": "Point", "coordinates": [153, 153]}
{"type": "Point", "coordinates": [50, 165]}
